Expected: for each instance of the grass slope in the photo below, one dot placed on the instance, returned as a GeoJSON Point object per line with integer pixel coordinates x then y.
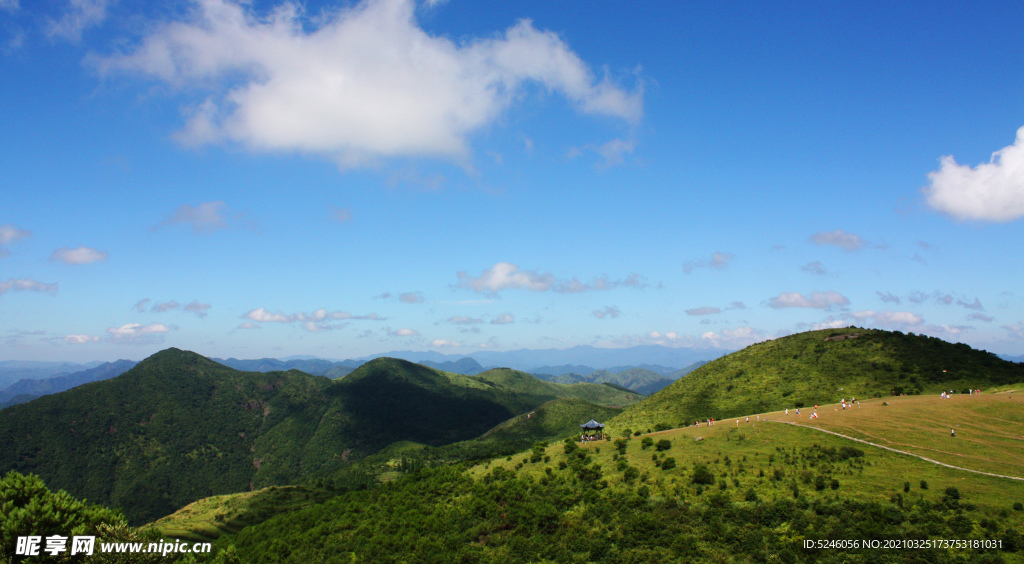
{"type": "Point", "coordinates": [733, 492]}
{"type": "Point", "coordinates": [820, 367]}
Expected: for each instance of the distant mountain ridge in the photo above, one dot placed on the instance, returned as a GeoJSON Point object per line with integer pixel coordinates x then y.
{"type": "Point", "coordinates": [638, 379]}
{"type": "Point", "coordinates": [45, 386]}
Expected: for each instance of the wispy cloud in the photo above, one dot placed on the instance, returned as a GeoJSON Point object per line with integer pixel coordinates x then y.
{"type": "Point", "coordinates": [363, 83]}
{"type": "Point", "coordinates": [80, 339]}
{"type": "Point", "coordinates": [503, 319]}
{"type": "Point", "coordinates": [888, 297]}
{"type": "Point", "coordinates": [165, 306]}
{"type": "Point", "coordinates": [718, 261]}
{"type": "Point", "coordinates": [464, 320]}
{"type": "Point", "coordinates": [839, 238]}
{"type": "Point", "coordinates": [608, 311]}
{"type": "Point", "coordinates": [10, 234]}
{"type": "Point", "coordinates": [815, 268]}
{"type": "Point", "coordinates": [411, 298]}
{"type": "Point", "coordinates": [505, 275]}
{"type": "Point", "coordinates": [79, 15]}
{"type": "Point", "coordinates": [140, 306]}
{"type": "Point", "coordinates": [197, 308]}
{"type": "Point", "coordinates": [341, 215]}
{"type": "Point", "coordinates": [992, 191]}
{"type": "Point", "coordinates": [444, 343]}
{"type": "Point", "coordinates": [316, 321]}
{"type": "Point", "coordinates": [981, 317]}
{"type": "Point", "coordinates": [207, 217]}
{"type": "Point", "coordinates": [404, 332]}
{"type": "Point", "coordinates": [79, 255]}
{"type": "Point", "coordinates": [817, 300]}
{"type": "Point", "coordinates": [703, 311]}
{"type": "Point", "coordinates": [138, 334]}
{"type": "Point", "coordinates": [26, 285]}
{"type": "Point", "coordinates": [889, 319]}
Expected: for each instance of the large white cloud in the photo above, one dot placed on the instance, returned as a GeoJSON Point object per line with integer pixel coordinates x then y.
{"type": "Point", "coordinates": [80, 255]}
{"type": "Point", "coordinates": [992, 191]}
{"type": "Point", "coordinates": [365, 82]}
{"type": "Point", "coordinates": [890, 318]}
{"type": "Point", "coordinates": [313, 322]}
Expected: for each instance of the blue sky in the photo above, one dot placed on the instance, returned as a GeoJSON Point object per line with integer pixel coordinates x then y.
{"type": "Point", "coordinates": [343, 179]}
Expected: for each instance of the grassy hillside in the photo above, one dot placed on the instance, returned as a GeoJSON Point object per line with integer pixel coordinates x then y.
{"type": "Point", "coordinates": [749, 492]}
{"type": "Point", "coordinates": [523, 383]}
{"type": "Point", "coordinates": [819, 367]}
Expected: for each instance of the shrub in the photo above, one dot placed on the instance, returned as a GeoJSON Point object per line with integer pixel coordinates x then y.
{"type": "Point", "coordinates": [701, 475]}
{"type": "Point", "coordinates": [646, 442]}
{"type": "Point", "coordinates": [924, 485]}
{"type": "Point", "coordinates": [662, 426]}
{"type": "Point", "coordinates": [1018, 506]}
{"type": "Point", "coordinates": [819, 483]}
{"type": "Point", "coordinates": [906, 487]}
{"type": "Point", "coordinates": [663, 444]}
{"type": "Point", "coordinates": [668, 464]}
{"type": "Point", "coordinates": [834, 484]}
{"type": "Point", "coordinates": [751, 495]}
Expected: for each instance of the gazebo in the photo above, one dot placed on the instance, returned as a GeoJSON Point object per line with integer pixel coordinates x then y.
{"type": "Point", "coordinates": [592, 431]}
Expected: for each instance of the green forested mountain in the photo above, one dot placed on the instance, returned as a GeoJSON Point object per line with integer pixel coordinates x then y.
{"type": "Point", "coordinates": [179, 427]}
{"type": "Point", "coordinates": [821, 367]}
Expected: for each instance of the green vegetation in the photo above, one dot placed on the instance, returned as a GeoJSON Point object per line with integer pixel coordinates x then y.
{"type": "Point", "coordinates": [821, 367]}
{"type": "Point", "coordinates": [179, 427]}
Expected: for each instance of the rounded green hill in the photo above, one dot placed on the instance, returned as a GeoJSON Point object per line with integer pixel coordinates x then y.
{"type": "Point", "coordinates": [820, 367]}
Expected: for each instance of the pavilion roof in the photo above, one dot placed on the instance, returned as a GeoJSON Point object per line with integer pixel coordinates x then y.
{"type": "Point", "coordinates": [592, 425]}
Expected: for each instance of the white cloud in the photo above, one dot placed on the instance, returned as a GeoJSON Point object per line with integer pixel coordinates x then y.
{"type": "Point", "coordinates": [136, 333]}
{"type": "Point", "coordinates": [503, 319]}
{"type": "Point", "coordinates": [363, 83]}
{"type": "Point", "coordinates": [443, 343]}
{"type": "Point", "coordinates": [718, 261]}
{"type": "Point", "coordinates": [464, 320]}
{"type": "Point", "coordinates": [198, 308]}
{"type": "Point", "coordinates": [608, 311]}
{"type": "Point", "coordinates": [79, 15]}
{"type": "Point", "coordinates": [27, 285]}
{"type": "Point", "coordinates": [817, 300]}
{"type": "Point", "coordinates": [204, 218]}
{"type": "Point", "coordinates": [162, 307]}
{"type": "Point", "coordinates": [504, 275]}
{"type": "Point", "coordinates": [81, 255]}
{"type": "Point", "coordinates": [261, 315]}
{"type": "Point", "coordinates": [405, 332]}
{"type": "Point", "coordinates": [889, 318]}
{"type": "Point", "coordinates": [81, 339]}
{"type": "Point", "coordinates": [250, 325]}
{"type": "Point", "coordinates": [733, 338]}
{"type": "Point", "coordinates": [839, 238]}
{"type": "Point", "coordinates": [315, 327]}
{"type": "Point", "coordinates": [992, 191]}
{"type": "Point", "coordinates": [411, 298]}
{"type": "Point", "coordinates": [703, 311]}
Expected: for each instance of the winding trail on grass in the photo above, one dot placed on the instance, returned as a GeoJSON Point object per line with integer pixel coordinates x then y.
{"type": "Point", "coordinates": [894, 449]}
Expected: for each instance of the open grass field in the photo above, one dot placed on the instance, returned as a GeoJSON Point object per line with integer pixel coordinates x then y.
{"type": "Point", "coordinates": [771, 459]}
{"type": "Point", "coordinates": [209, 518]}
{"type": "Point", "coordinates": [989, 428]}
